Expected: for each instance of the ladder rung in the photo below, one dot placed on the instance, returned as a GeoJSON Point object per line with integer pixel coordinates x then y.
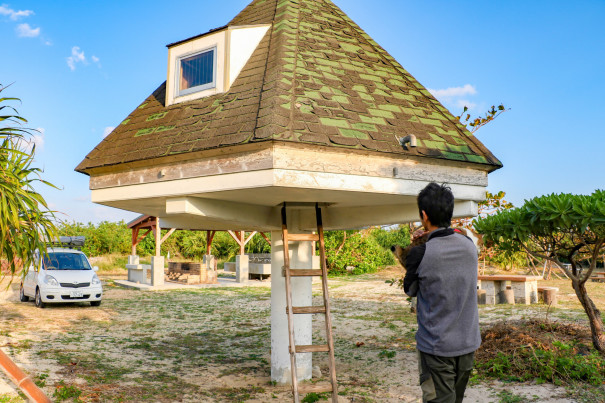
{"type": "Point", "coordinates": [302, 237]}
{"type": "Point", "coordinates": [307, 309]}
{"type": "Point", "coordinates": [312, 348]}
{"type": "Point", "coordinates": [305, 272]}
{"type": "Point", "coordinates": [316, 387]}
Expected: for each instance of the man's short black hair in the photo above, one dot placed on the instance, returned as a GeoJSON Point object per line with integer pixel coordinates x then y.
{"type": "Point", "coordinates": [438, 203]}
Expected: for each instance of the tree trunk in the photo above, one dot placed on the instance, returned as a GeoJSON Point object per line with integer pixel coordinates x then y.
{"type": "Point", "coordinates": [594, 316]}
{"type": "Point", "coordinates": [344, 239]}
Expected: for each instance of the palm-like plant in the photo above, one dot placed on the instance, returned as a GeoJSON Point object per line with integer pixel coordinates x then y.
{"type": "Point", "coordinates": [26, 222]}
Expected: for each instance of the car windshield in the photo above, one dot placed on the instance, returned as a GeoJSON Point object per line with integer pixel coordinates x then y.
{"type": "Point", "coordinates": [66, 261]}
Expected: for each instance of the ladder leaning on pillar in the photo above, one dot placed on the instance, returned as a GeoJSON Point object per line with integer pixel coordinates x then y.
{"type": "Point", "coordinates": [325, 309]}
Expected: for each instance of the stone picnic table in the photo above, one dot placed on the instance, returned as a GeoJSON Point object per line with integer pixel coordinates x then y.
{"type": "Point", "coordinates": [525, 288]}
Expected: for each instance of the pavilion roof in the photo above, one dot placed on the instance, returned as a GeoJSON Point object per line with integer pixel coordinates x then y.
{"type": "Point", "coordinates": [315, 78]}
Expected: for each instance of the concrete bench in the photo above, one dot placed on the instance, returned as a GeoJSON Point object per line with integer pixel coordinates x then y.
{"type": "Point", "coordinates": [229, 266]}
{"type": "Point", "coordinates": [263, 269]}
{"type": "Point", "coordinates": [525, 288]}
{"type": "Point", "coordinates": [137, 273]}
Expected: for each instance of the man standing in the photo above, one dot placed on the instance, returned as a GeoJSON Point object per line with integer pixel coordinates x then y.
{"type": "Point", "coordinates": [442, 274]}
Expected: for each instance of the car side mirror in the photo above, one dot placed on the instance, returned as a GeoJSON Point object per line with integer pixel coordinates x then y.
{"type": "Point", "coordinates": [95, 268]}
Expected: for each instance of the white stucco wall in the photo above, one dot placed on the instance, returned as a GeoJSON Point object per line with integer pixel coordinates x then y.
{"type": "Point", "coordinates": [242, 43]}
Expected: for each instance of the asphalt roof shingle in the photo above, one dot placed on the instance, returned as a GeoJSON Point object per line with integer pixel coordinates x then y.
{"type": "Point", "coordinates": [315, 78]}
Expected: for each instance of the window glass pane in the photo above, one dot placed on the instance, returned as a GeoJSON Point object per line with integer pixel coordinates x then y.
{"type": "Point", "coordinates": [66, 261]}
{"type": "Point", "coordinates": [197, 70]}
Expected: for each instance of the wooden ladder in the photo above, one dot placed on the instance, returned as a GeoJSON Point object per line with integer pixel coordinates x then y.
{"type": "Point", "coordinates": [302, 310]}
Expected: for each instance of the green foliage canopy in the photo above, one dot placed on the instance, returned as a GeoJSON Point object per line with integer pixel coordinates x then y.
{"type": "Point", "coordinates": [101, 239]}
{"type": "Point", "coordinates": [26, 222]}
{"type": "Point", "coordinates": [561, 227]}
{"type": "Point", "coordinates": [365, 251]}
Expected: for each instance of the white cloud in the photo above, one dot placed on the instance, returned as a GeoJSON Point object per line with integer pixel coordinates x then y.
{"type": "Point", "coordinates": [26, 31]}
{"type": "Point", "coordinates": [461, 103]}
{"type": "Point", "coordinates": [96, 61]}
{"type": "Point", "coordinates": [107, 130]}
{"type": "Point", "coordinates": [12, 14]}
{"type": "Point", "coordinates": [36, 139]}
{"type": "Point", "coordinates": [454, 92]}
{"type": "Point", "coordinates": [77, 56]}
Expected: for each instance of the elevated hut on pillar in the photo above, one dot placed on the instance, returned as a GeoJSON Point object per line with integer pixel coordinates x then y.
{"type": "Point", "coordinates": [291, 101]}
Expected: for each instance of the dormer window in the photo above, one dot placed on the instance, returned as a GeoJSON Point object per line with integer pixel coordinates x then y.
{"type": "Point", "coordinates": [197, 72]}
{"type": "Point", "coordinates": [208, 64]}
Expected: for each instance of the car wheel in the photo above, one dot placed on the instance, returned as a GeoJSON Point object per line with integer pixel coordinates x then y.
{"type": "Point", "coordinates": [22, 296]}
{"type": "Point", "coordinates": [38, 299]}
{"type": "Point", "coordinates": [95, 303]}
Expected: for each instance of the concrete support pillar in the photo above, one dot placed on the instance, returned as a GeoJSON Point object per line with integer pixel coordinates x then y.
{"type": "Point", "coordinates": [157, 270]}
{"type": "Point", "coordinates": [301, 257]}
{"type": "Point", "coordinates": [133, 259]}
{"type": "Point", "coordinates": [158, 237]}
{"type": "Point", "coordinates": [242, 268]}
{"type": "Point", "coordinates": [209, 261]}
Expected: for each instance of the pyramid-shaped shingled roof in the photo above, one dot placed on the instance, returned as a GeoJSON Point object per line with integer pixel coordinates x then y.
{"type": "Point", "coordinates": [315, 78]}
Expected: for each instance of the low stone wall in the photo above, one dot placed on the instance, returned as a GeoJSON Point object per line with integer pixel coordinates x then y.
{"type": "Point", "coordinates": [259, 264]}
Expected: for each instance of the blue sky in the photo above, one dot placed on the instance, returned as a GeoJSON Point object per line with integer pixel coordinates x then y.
{"type": "Point", "coordinates": [82, 67]}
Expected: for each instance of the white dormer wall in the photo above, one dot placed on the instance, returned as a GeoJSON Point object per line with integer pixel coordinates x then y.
{"type": "Point", "coordinates": [234, 46]}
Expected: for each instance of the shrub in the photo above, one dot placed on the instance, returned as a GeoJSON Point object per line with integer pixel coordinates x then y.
{"type": "Point", "coordinates": [359, 250]}
{"type": "Point", "coordinates": [387, 238]}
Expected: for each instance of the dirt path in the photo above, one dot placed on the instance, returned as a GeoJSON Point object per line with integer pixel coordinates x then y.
{"type": "Point", "coordinates": [213, 345]}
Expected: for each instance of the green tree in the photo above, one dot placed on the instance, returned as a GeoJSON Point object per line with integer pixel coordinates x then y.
{"type": "Point", "coordinates": [104, 238]}
{"type": "Point", "coordinates": [26, 222]}
{"type": "Point", "coordinates": [399, 235]}
{"type": "Point", "coordinates": [356, 249]}
{"type": "Point", "coordinates": [562, 228]}
{"type": "Point", "coordinates": [493, 204]}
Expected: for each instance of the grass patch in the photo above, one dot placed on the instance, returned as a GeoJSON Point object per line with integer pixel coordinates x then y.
{"type": "Point", "coordinates": [65, 392]}
{"type": "Point", "coordinates": [8, 398]}
{"type": "Point", "coordinates": [505, 396]}
{"type": "Point", "coordinates": [315, 397]}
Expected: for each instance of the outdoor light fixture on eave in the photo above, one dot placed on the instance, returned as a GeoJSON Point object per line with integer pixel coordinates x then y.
{"type": "Point", "coordinates": [410, 138]}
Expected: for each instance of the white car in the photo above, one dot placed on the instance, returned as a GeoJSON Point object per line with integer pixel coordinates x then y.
{"type": "Point", "coordinates": [65, 275]}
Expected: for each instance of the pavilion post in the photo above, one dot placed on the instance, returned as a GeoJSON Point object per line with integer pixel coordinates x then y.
{"type": "Point", "coordinates": [208, 259]}
{"type": "Point", "coordinates": [158, 237]}
{"type": "Point", "coordinates": [301, 258]}
{"type": "Point", "coordinates": [135, 236]}
{"type": "Point", "coordinates": [157, 261]}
